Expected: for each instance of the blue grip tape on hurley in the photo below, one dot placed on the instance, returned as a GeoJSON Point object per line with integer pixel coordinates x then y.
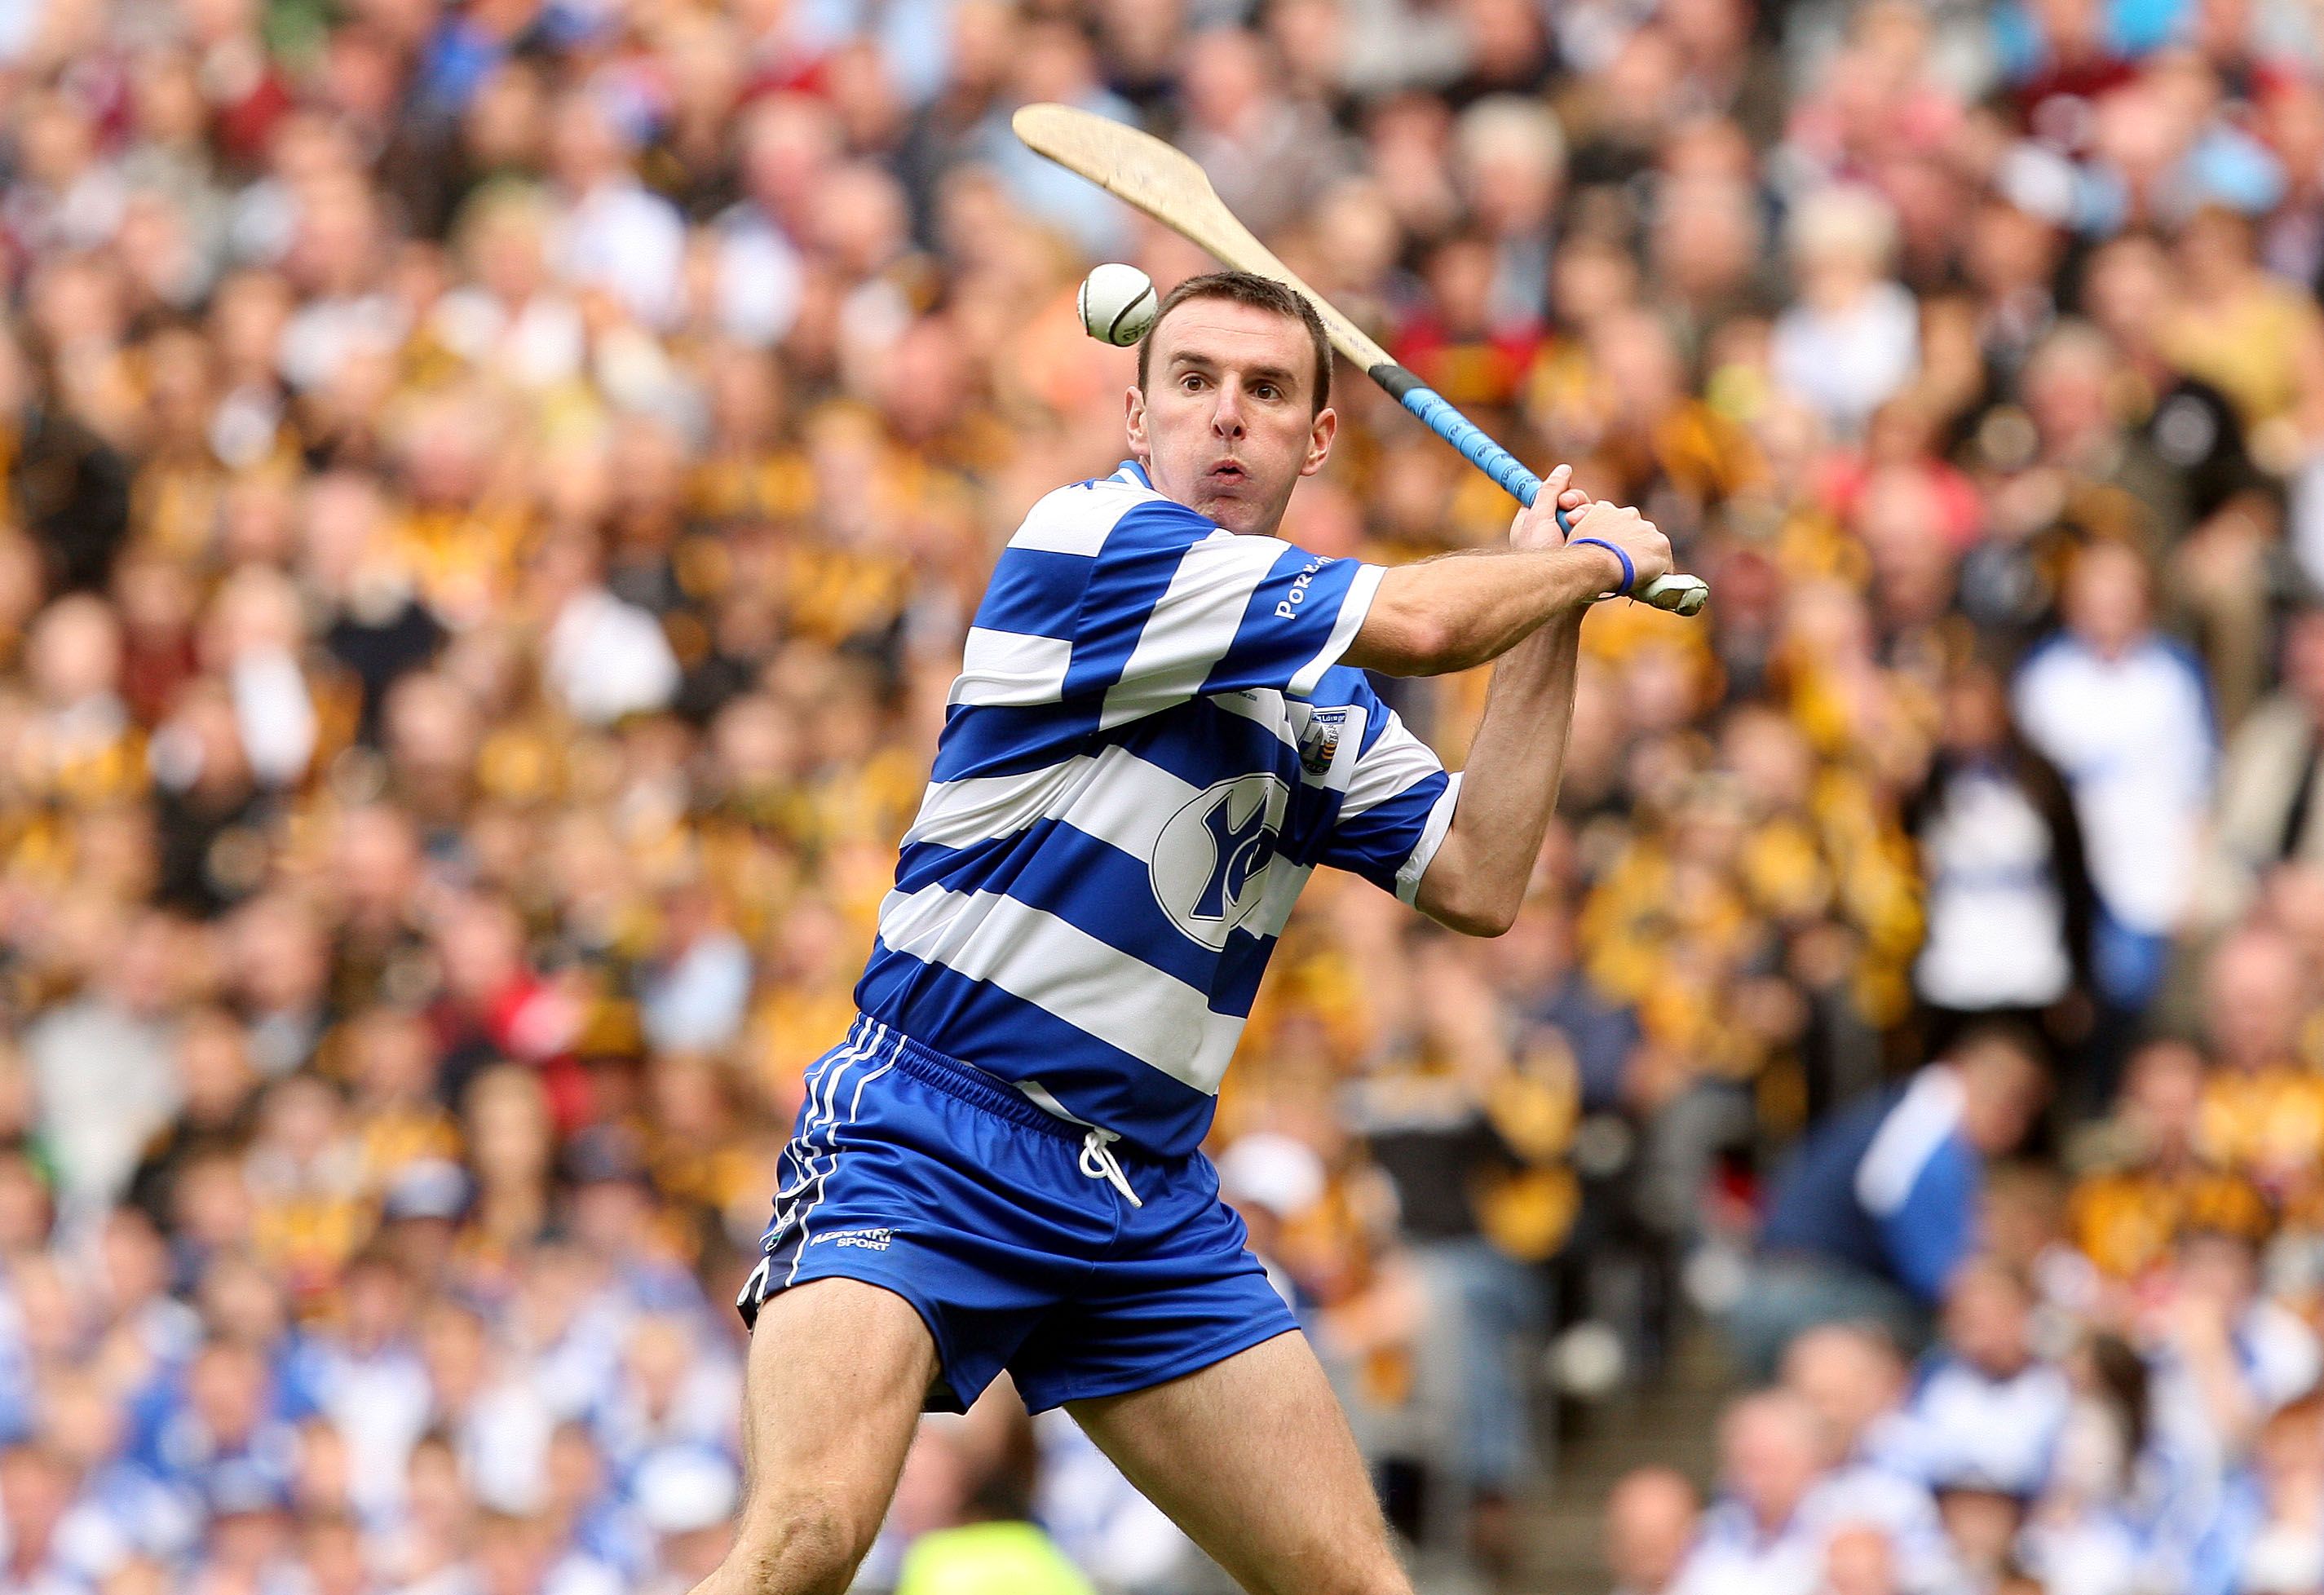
{"type": "Point", "coordinates": [1480, 451]}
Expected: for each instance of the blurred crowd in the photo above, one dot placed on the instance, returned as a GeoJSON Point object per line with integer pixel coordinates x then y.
{"type": "Point", "coordinates": [494, 494]}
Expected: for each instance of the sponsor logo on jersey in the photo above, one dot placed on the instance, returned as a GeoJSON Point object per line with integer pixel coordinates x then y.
{"type": "Point", "coordinates": [1210, 861]}
{"type": "Point", "coordinates": [1287, 608]}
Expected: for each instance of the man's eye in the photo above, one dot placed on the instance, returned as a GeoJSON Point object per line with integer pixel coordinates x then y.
{"type": "Point", "coordinates": [1190, 383]}
{"type": "Point", "coordinates": [1266, 390]}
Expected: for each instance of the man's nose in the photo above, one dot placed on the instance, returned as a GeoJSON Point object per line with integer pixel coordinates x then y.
{"type": "Point", "coordinates": [1226, 419]}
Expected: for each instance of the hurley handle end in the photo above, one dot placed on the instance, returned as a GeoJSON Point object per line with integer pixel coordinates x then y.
{"type": "Point", "coordinates": [1680, 594]}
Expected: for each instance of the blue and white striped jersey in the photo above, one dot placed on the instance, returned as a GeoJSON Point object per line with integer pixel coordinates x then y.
{"type": "Point", "coordinates": [1150, 747]}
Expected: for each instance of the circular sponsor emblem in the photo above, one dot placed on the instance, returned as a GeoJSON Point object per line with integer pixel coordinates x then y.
{"type": "Point", "coordinates": [1210, 863]}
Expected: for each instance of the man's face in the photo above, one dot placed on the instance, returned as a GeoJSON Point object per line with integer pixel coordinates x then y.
{"type": "Point", "coordinates": [2254, 1001]}
{"type": "Point", "coordinates": [2003, 1088]}
{"type": "Point", "coordinates": [1770, 1461]}
{"type": "Point", "coordinates": [1986, 1323]}
{"type": "Point", "coordinates": [1225, 424]}
{"type": "Point", "coordinates": [1847, 1382]}
{"type": "Point", "coordinates": [2106, 599]}
{"type": "Point", "coordinates": [2164, 1097]}
{"type": "Point", "coordinates": [1649, 1529]}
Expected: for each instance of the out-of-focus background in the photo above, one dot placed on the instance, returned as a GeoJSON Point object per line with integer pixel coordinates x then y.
{"type": "Point", "coordinates": [493, 495]}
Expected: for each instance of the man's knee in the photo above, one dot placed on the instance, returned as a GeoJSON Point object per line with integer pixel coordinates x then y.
{"type": "Point", "coordinates": [799, 1545]}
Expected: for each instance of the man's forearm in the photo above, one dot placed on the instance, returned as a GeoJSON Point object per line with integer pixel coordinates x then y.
{"type": "Point", "coordinates": [1477, 881]}
{"type": "Point", "coordinates": [1461, 610]}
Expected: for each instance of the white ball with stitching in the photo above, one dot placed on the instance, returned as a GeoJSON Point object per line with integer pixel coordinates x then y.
{"type": "Point", "coordinates": [1118, 304]}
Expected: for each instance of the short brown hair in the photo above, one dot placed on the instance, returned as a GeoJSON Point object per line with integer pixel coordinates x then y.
{"type": "Point", "coordinates": [1262, 293]}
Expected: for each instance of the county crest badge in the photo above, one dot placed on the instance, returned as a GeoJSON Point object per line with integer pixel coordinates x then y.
{"type": "Point", "coordinates": [1319, 744]}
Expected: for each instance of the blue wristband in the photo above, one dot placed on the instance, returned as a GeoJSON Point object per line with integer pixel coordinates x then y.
{"type": "Point", "coordinates": [1629, 571]}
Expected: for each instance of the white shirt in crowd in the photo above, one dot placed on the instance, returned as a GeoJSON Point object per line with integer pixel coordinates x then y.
{"type": "Point", "coordinates": [275, 714]}
{"type": "Point", "coordinates": [1846, 363]}
{"type": "Point", "coordinates": [107, 1082]}
{"type": "Point", "coordinates": [628, 241]}
{"type": "Point", "coordinates": [760, 278]}
{"type": "Point", "coordinates": [539, 343]}
{"type": "Point", "coordinates": [1878, 1495]}
{"type": "Point", "coordinates": [1971, 1427]}
{"type": "Point", "coordinates": [380, 1404]}
{"type": "Point", "coordinates": [2133, 737]}
{"type": "Point", "coordinates": [1731, 1556]}
{"type": "Point", "coordinates": [1996, 920]}
{"type": "Point", "coordinates": [607, 659]}
{"type": "Point", "coordinates": [503, 1445]}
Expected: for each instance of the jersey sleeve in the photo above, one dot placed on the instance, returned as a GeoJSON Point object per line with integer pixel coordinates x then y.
{"type": "Point", "coordinates": [1929, 1233]}
{"type": "Point", "coordinates": [1177, 607]}
{"type": "Point", "coordinates": [1398, 806]}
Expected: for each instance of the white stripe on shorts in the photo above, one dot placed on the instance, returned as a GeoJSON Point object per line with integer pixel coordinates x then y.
{"type": "Point", "coordinates": [830, 1144]}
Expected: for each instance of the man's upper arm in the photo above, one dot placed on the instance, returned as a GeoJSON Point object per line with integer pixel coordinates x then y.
{"type": "Point", "coordinates": [1930, 1232]}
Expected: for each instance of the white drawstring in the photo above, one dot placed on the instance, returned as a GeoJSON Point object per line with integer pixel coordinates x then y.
{"type": "Point", "coordinates": [1098, 1163]}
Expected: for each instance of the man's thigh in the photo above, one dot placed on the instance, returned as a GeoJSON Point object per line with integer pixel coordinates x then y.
{"type": "Point", "coordinates": [837, 1371]}
{"type": "Point", "coordinates": [1252, 1458]}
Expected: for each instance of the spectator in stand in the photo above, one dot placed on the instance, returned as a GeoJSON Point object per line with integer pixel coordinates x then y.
{"type": "Point", "coordinates": [2266, 813]}
{"type": "Point", "coordinates": [1461, 1127]}
{"type": "Point", "coordinates": [2155, 1172]}
{"type": "Point", "coordinates": [2009, 901]}
{"type": "Point", "coordinates": [1652, 1516]}
{"type": "Point", "coordinates": [1762, 1536]}
{"type": "Point", "coordinates": [1987, 1412]}
{"type": "Point", "coordinates": [1878, 1207]}
{"type": "Point", "coordinates": [2122, 713]}
{"type": "Point", "coordinates": [1851, 1378]}
{"type": "Point", "coordinates": [2226, 1357]}
{"type": "Point", "coordinates": [2262, 1105]}
{"type": "Point", "coordinates": [2270, 1532]}
{"type": "Point", "coordinates": [36, 1489]}
{"type": "Point", "coordinates": [1852, 340]}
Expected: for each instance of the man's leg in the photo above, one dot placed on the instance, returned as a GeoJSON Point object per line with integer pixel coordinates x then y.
{"type": "Point", "coordinates": [837, 1372]}
{"type": "Point", "coordinates": [1253, 1459]}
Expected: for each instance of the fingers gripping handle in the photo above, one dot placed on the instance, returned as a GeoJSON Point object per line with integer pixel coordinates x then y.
{"type": "Point", "coordinates": [1681, 595]}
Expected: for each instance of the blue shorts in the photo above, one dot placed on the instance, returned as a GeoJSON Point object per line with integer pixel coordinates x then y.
{"type": "Point", "coordinates": [927, 1176]}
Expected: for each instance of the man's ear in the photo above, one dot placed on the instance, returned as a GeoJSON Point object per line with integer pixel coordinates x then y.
{"type": "Point", "coordinates": [1320, 433]}
{"type": "Point", "coordinates": [1134, 424]}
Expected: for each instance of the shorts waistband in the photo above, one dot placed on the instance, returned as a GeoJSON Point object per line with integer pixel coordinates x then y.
{"type": "Point", "coordinates": [957, 1078]}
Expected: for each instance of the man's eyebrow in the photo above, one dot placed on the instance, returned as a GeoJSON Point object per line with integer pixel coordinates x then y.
{"type": "Point", "coordinates": [1281, 376]}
